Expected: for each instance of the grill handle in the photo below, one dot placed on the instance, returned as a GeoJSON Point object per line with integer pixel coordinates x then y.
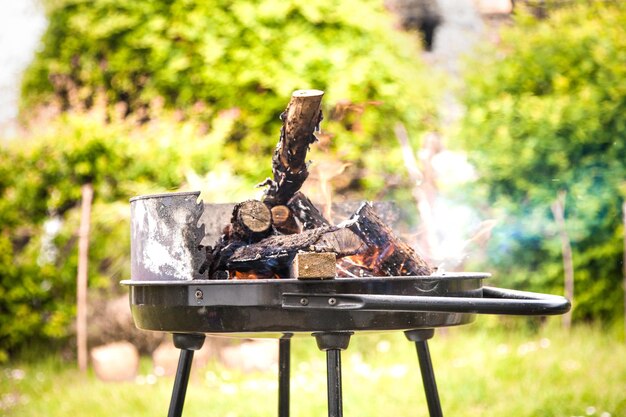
{"type": "Point", "coordinates": [494, 301]}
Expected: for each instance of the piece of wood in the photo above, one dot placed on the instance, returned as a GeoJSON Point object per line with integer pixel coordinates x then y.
{"type": "Point", "coordinates": [81, 275]}
{"type": "Point", "coordinates": [251, 221]}
{"type": "Point", "coordinates": [274, 255]}
{"type": "Point", "coordinates": [390, 255]}
{"type": "Point", "coordinates": [558, 210]}
{"type": "Point", "coordinates": [314, 265]}
{"type": "Point", "coordinates": [342, 241]}
{"type": "Point", "coordinates": [284, 221]}
{"type": "Point", "coordinates": [305, 211]}
{"type": "Point", "coordinates": [289, 166]}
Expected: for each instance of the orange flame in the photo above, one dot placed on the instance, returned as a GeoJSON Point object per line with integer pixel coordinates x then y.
{"type": "Point", "coordinates": [234, 274]}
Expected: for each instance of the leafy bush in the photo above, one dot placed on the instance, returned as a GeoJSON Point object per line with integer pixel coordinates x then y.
{"type": "Point", "coordinates": [249, 55]}
{"type": "Point", "coordinates": [546, 113]}
{"type": "Point", "coordinates": [40, 180]}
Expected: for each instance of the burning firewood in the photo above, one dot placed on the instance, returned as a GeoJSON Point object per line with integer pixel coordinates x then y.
{"type": "Point", "coordinates": [289, 166]}
{"type": "Point", "coordinates": [274, 254]}
{"type": "Point", "coordinates": [387, 254]}
{"type": "Point", "coordinates": [251, 221]}
{"type": "Point", "coordinates": [284, 221]}
{"type": "Point", "coordinates": [286, 235]}
{"type": "Point", "coordinates": [308, 215]}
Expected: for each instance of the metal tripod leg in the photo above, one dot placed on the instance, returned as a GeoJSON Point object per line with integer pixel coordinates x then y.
{"type": "Point", "coordinates": [333, 343]}
{"type": "Point", "coordinates": [284, 367]}
{"type": "Point", "coordinates": [420, 337]}
{"type": "Point", "coordinates": [187, 343]}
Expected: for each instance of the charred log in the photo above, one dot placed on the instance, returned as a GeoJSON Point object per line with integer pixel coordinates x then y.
{"type": "Point", "coordinates": [304, 210]}
{"type": "Point", "coordinates": [389, 255]}
{"type": "Point", "coordinates": [289, 166]}
{"type": "Point", "coordinates": [284, 221]}
{"type": "Point", "coordinates": [251, 221]}
{"type": "Point", "coordinates": [274, 255]}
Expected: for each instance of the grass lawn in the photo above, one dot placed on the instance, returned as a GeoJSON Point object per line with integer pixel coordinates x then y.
{"type": "Point", "coordinates": [481, 370]}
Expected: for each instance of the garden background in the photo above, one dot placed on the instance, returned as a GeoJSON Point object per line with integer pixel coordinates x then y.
{"type": "Point", "coordinates": [510, 131]}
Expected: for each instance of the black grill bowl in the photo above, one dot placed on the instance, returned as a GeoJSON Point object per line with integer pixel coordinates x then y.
{"type": "Point", "coordinates": [290, 305]}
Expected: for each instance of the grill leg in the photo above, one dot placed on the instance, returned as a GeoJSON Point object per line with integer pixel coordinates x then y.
{"type": "Point", "coordinates": [333, 377]}
{"type": "Point", "coordinates": [333, 343]}
{"type": "Point", "coordinates": [284, 367]}
{"type": "Point", "coordinates": [420, 337]}
{"type": "Point", "coordinates": [187, 343]}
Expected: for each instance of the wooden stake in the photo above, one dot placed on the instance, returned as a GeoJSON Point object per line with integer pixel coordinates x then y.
{"type": "Point", "coordinates": [81, 275]}
{"type": "Point", "coordinates": [624, 263]}
{"type": "Point", "coordinates": [558, 210]}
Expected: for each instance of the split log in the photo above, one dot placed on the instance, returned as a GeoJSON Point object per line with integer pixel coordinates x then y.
{"type": "Point", "coordinates": [314, 265]}
{"type": "Point", "coordinates": [274, 254]}
{"type": "Point", "coordinates": [289, 166]}
{"type": "Point", "coordinates": [304, 210]}
{"type": "Point", "coordinates": [391, 256]}
{"type": "Point", "coordinates": [251, 221]}
{"type": "Point", "coordinates": [284, 221]}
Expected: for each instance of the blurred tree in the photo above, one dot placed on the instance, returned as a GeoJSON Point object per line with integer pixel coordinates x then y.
{"type": "Point", "coordinates": [246, 54]}
{"type": "Point", "coordinates": [41, 175]}
{"type": "Point", "coordinates": [545, 113]}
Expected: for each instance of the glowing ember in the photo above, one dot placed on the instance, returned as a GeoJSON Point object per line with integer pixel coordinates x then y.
{"type": "Point", "coordinates": [250, 275]}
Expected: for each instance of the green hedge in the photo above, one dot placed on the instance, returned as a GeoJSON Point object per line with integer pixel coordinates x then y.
{"type": "Point", "coordinates": [41, 175]}
{"type": "Point", "coordinates": [546, 113]}
{"type": "Point", "coordinates": [246, 54]}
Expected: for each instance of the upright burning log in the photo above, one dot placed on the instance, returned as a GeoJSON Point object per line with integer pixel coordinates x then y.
{"type": "Point", "coordinates": [289, 166]}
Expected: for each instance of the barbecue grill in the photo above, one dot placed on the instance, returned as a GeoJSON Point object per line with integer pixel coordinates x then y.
{"type": "Point", "coordinates": [168, 294]}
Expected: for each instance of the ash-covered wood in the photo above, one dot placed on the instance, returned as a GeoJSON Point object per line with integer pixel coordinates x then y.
{"type": "Point", "coordinates": [388, 255]}
{"type": "Point", "coordinates": [314, 265]}
{"type": "Point", "coordinates": [289, 166]}
{"type": "Point", "coordinates": [275, 253]}
{"type": "Point", "coordinates": [306, 212]}
{"type": "Point", "coordinates": [264, 237]}
{"type": "Point", "coordinates": [284, 221]}
{"type": "Point", "coordinates": [251, 221]}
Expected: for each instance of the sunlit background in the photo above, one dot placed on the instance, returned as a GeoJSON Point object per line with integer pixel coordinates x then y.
{"type": "Point", "coordinates": [495, 127]}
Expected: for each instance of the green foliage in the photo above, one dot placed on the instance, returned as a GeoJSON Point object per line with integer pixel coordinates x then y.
{"type": "Point", "coordinates": [249, 55]}
{"type": "Point", "coordinates": [40, 191]}
{"type": "Point", "coordinates": [546, 113]}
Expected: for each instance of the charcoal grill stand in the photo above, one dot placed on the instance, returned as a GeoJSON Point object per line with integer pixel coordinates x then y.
{"type": "Point", "coordinates": [420, 337]}
{"type": "Point", "coordinates": [494, 301]}
{"type": "Point", "coordinates": [169, 294]}
{"type": "Point", "coordinates": [284, 377]}
{"type": "Point", "coordinates": [331, 342]}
